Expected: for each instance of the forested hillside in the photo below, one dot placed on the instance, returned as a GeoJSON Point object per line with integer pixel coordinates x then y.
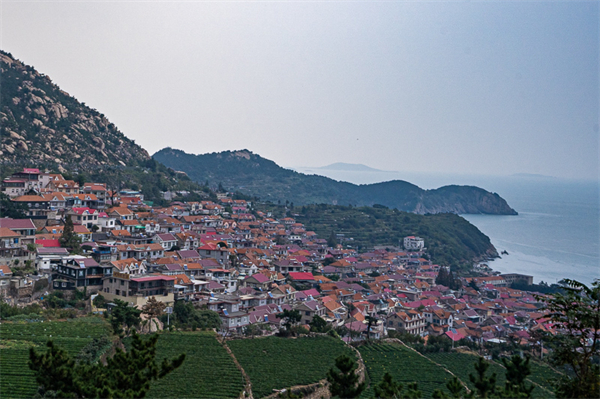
{"type": "Point", "coordinates": [253, 175]}
{"type": "Point", "coordinates": [449, 238]}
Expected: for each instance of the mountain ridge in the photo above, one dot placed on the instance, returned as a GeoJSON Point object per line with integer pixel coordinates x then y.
{"type": "Point", "coordinates": [45, 127]}
{"type": "Point", "coordinates": [253, 175]}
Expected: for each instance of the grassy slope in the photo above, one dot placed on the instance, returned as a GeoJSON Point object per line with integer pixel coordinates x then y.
{"type": "Point", "coordinates": [277, 363]}
{"type": "Point", "coordinates": [404, 365]}
{"type": "Point", "coordinates": [16, 380]}
{"type": "Point", "coordinates": [462, 364]}
{"type": "Point", "coordinates": [207, 372]}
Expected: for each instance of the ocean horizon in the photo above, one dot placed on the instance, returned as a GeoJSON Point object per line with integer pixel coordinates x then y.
{"type": "Point", "coordinates": [556, 234]}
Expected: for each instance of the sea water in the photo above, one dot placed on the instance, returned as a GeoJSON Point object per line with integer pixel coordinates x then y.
{"type": "Point", "coordinates": [556, 234]}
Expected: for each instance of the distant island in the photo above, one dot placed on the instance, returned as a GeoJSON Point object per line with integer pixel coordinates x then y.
{"type": "Point", "coordinates": [349, 167]}
{"type": "Point", "coordinates": [533, 176]}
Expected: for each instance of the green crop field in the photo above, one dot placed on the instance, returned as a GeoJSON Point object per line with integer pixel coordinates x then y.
{"type": "Point", "coordinates": [462, 364]}
{"type": "Point", "coordinates": [16, 380]}
{"type": "Point", "coordinates": [277, 363]}
{"type": "Point", "coordinates": [207, 372]}
{"type": "Point", "coordinates": [404, 365]}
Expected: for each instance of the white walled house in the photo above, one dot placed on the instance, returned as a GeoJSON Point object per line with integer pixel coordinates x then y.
{"type": "Point", "coordinates": [413, 243]}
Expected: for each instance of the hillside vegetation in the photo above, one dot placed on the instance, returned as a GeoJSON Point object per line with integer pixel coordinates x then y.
{"type": "Point", "coordinates": [207, 372]}
{"type": "Point", "coordinates": [277, 363]}
{"type": "Point", "coordinates": [449, 238]}
{"type": "Point", "coordinates": [16, 379]}
{"type": "Point", "coordinates": [44, 127]}
{"type": "Point", "coordinates": [253, 175]}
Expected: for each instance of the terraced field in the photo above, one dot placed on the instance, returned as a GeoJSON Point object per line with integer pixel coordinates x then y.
{"type": "Point", "coordinates": [16, 380]}
{"type": "Point", "coordinates": [207, 372]}
{"type": "Point", "coordinates": [462, 364]}
{"type": "Point", "coordinates": [404, 365]}
{"type": "Point", "coordinates": [277, 363]}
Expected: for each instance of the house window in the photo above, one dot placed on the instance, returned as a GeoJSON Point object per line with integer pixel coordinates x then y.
{"type": "Point", "coordinates": [122, 282]}
{"type": "Point", "coordinates": [118, 292]}
{"type": "Point", "coordinates": [307, 313]}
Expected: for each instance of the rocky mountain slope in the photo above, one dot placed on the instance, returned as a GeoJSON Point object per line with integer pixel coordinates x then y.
{"type": "Point", "coordinates": [45, 125]}
{"type": "Point", "coordinates": [253, 175]}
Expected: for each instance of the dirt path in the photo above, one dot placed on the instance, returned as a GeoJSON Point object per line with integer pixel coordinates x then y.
{"type": "Point", "coordinates": [361, 370]}
{"type": "Point", "coordinates": [533, 382]}
{"type": "Point", "coordinates": [248, 385]}
{"type": "Point", "coordinates": [320, 390]}
{"type": "Point", "coordinates": [396, 340]}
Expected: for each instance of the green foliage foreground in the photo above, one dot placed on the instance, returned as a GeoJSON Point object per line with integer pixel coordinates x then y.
{"type": "Point", "coordinates": [344, 383]}
{"type": "Point", "coordinates": [209, 372]}
{"type": "Point", "coordinates": [576, 312]}
{"type": "Point", "coordinates": [125, 375]}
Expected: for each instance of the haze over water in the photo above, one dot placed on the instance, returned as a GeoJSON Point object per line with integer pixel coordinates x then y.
{"type": "Point", "coordinates": [556, 234]}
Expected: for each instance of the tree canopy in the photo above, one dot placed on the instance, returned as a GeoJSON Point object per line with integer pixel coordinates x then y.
{"type": "Point", "coordinates": [68, 238]}
{"type": "Point", "coordinates": [10, 209]}
{"type": "Point", "coordinates": [187, 316]}
{"type": "Point", "coordinates": [290, 318]}
{"type": "Point", "coordinates": [125, 375]}
{"type": "Point", "coordinates": [388, 388]}
{"type": "Point", "coordinates": [124, 318]}
{"type": "Point", "coordinates": [344, 384]}
{"type": "Point", "coordinates": [576, 313]}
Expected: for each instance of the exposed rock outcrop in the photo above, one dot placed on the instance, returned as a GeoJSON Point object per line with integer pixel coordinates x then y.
{"type": "Point", "coordinates": [42, 124]}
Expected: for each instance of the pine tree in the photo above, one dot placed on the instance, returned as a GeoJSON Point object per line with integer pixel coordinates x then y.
{"type": "Point", "coordinates": [456, 389]}
{"type": "Point", "coordinates": [12, 209]}
{"type": "Point", "coordinates": [388, 388]}
{"type": "Point", "coordinates": [344, 384]}
{"type": "Point", "coordinates": [454, 283]}
{"type": "Point", "coordinates": [485, 386]}
{"type": "Point", "coordinates": [413, 391]}
{"type": "Point", "coordinates": [68, 238]}
{"type": "Point", "coordinates": [153, 308]}
{"type": "Point", "coordinates": [318, 324]}
{"type": "Point", "coordinates": [291, 317]}
{"type": "Point", "coordinates": [332, 240]}
{"type": "Point", "coordinates": [517, 370]}
{"type": "Point", "coordinates": [125, 375]}
{"type": "Point", "coordinates": [576, 311]}
{"type": "Point", "coordinates": [124, 315]}
{"type": "Point", "coordinates": [442, 277]}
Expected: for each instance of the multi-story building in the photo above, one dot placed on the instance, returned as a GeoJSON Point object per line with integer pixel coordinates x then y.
{"type": "Point", "coordinates": [409, 321]}
{"type": "Point", "coordinates": [39, 207]}
{"type": "Point", "coordinates": [79, 272]}
{"type": "Point", "coordinates": [413, 243]}
{"type": "Point", "coordinates": [232, 318]}
{"type": "Point", "coordinates": [137, 290]}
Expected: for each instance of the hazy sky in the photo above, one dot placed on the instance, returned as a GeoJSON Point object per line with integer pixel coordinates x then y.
{"type": "Point", "coordinates": [456, 87]}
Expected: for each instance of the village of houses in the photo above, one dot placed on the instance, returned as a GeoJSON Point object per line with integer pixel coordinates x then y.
{"type": "Point", "coordinates": [247, 266]}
